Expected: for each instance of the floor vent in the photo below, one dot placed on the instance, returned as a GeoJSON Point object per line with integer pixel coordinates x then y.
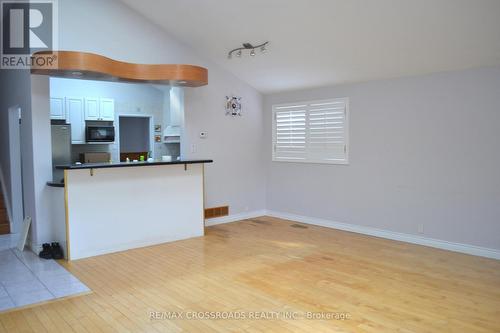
{"type": "Point", "coordinates": [210, 213]}
{"type": "Point", "coordinates": [300, 226]}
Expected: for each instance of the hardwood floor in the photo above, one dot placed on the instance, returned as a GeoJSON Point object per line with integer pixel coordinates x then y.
{"type": "Point", "coordinates": [273, 265]}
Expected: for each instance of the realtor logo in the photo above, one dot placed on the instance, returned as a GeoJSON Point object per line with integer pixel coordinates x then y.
{"type": "Point", "coordinates": [28, 27]}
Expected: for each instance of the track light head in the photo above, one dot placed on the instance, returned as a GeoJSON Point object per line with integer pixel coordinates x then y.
{"type": "Point", "coordinates": [252, 53]}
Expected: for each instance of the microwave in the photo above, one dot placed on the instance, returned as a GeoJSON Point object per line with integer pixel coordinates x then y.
{"type": "Point", "coordinates": [96, 133]}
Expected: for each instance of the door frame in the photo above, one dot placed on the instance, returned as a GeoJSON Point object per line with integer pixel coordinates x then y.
{"type": "Point", "coordinates": [16, 205]}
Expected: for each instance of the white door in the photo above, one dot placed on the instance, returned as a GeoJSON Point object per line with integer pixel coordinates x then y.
{"type": "Point", "coordinates": [75, 109]}
{"type": "Point", "coordinates": [57, 109]}
{"type": "Point", "coordinates": [91, 108]}
{"type": "Point", "coordinates": [107, 109]}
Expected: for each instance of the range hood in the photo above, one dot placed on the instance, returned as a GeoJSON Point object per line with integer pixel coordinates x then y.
{"type": "Point", "coordinates": [172, 134]}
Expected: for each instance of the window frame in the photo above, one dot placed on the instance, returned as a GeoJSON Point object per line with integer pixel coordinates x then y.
{"type": "Point", "coordinates": [344, 161]}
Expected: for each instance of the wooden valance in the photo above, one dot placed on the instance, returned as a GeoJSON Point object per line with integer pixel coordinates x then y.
{"type": "Point", "coordinates": [82, 65]}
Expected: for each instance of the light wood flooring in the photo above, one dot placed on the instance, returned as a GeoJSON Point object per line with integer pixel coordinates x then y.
{"type": "Point", "coordinates": [272, 265]}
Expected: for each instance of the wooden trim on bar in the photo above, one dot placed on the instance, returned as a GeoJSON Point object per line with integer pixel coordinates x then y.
{"type": "Point", "coordinates": [68, 257]}
{"type": "Point", "coordinates": [82, 65]}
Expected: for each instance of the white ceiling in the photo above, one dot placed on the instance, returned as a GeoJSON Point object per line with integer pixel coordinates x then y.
{"type": "Point", "coordinates": [320, 42]}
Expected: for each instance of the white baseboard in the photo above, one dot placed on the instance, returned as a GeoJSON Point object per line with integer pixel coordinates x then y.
{"type": "Point", "coordinates": [235, 217]}
{"type": "Point", "coordinates": [414, 239]}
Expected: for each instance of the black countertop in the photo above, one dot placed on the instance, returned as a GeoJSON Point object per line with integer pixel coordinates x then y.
{"type": "Point", "coordinates": [126, 164]}
{"type": "Point", "coordinates": [55, 184]}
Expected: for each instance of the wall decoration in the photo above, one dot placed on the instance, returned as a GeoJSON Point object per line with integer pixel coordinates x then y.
{"type": "Point", "coordinates": [157, 138]}
{"type": "Point", "coordinates": [158, 128]}
{"type": "Point", "coordinates": [233, 106]}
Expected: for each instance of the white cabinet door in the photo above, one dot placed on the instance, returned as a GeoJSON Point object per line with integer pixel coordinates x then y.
{"type": "Point", "coordinates": [92, 108]}
{"type": "Point", "coordinates": [57, 108]}
{"type": "Point", "coordinates": [107, 109]}
{"type": "Point", "coordinates": [75, 109]}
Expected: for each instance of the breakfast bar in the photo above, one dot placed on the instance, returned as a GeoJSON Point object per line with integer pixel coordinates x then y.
{"type": "Point", "coordinates": [112, 207]}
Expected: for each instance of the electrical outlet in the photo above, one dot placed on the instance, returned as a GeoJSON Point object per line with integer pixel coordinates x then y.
{"type": "Point", "coordinates": [420, 228]}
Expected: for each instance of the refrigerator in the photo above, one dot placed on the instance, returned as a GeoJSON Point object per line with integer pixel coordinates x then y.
{"type": "Point", "coordinates": [61, 149]}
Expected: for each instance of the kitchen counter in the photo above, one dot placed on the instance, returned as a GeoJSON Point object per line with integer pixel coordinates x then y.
{"type": "Point", "coordinates": [126, 164]}
{"type": "Point", "coordinates": [55, 184]}
{"type": "Point", "coordinates": [122, 206]}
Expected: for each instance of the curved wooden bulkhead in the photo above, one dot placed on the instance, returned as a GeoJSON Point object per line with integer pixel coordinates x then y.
{"type": "Point", "coordinates": [82, 65]}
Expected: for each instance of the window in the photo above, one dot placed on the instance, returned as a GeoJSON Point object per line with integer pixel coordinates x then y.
{"type": "Point", "coordinates": [311, 132]}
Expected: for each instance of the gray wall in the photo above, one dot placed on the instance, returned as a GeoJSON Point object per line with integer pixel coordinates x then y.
{"type": "Point", "coordinates": [43, 223]}
{"type": "Point", "coordinates": [423, 150]}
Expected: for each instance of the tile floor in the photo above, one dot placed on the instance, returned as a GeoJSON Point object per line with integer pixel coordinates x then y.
{"type": "Point", "coordinates": [8, 241]}
{"type": "Point", "coordinates": [26, 279]}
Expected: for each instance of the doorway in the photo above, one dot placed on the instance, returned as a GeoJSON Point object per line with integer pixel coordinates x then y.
{"type": "Point", "coordinates": [135, 136]}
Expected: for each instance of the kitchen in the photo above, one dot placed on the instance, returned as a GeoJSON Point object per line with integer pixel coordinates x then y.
{"type": "Point", "coordinates": [117, 178]}
{"type": "Point", "coordinates": [96, 121]}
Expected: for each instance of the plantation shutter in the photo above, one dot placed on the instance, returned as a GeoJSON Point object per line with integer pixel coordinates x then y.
{"type": "Point", "coordinates": [313, 132]}
{"type": "Point", "coordinates": [290, 132]}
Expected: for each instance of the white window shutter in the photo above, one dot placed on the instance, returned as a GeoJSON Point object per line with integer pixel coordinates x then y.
{"type": "Point", "coordinates": [290, 133]}
{"type": "Point", "coordinates": [315, 132]}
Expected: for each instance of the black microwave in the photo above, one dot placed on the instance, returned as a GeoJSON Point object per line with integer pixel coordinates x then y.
{"type": "Point", "coordinates": [100, 133]}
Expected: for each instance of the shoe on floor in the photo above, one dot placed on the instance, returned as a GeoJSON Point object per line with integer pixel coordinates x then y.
{"type": "Point", "coordinates": [56, 251]}
{"type": "Point", "coordinates": [46, 252]}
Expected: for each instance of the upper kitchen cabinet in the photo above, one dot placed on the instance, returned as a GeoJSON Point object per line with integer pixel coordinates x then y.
{"type": "Point", "coordinates": [75, 107]}
{"type": "Point", "coordinates": [99, 109]}
{"type": "Point", "coordinates": [92, 108]}
{"type": "Point", "coordinates": [57, 108]}
{"type": "Point", "coordinates": [107, 109]}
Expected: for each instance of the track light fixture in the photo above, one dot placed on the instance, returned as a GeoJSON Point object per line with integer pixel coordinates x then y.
{"type": "Point", "coordinates": [248, 46]}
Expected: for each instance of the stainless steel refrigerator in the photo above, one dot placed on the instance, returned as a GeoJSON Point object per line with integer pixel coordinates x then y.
{"type": "Point", "coordinates": [61, 149]}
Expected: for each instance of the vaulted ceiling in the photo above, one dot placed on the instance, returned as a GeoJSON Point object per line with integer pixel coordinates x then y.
{"type": "Point", "coordinates": [321, 42]}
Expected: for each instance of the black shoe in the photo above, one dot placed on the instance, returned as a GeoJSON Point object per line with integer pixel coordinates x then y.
{"type": "Point", "coordinates": [56, 251]}
{"type": "Point", "coordinates": [46, 253]}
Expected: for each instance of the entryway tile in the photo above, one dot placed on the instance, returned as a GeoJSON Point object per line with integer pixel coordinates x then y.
{"type": "Point", "coordinates": [26, 279]}
{"type": "Point", "coordinates": [68, 290]}
{"type": "Point", "coordinates": [32, 297]}
{"type": "Point", "coordinates": [23, 287]}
